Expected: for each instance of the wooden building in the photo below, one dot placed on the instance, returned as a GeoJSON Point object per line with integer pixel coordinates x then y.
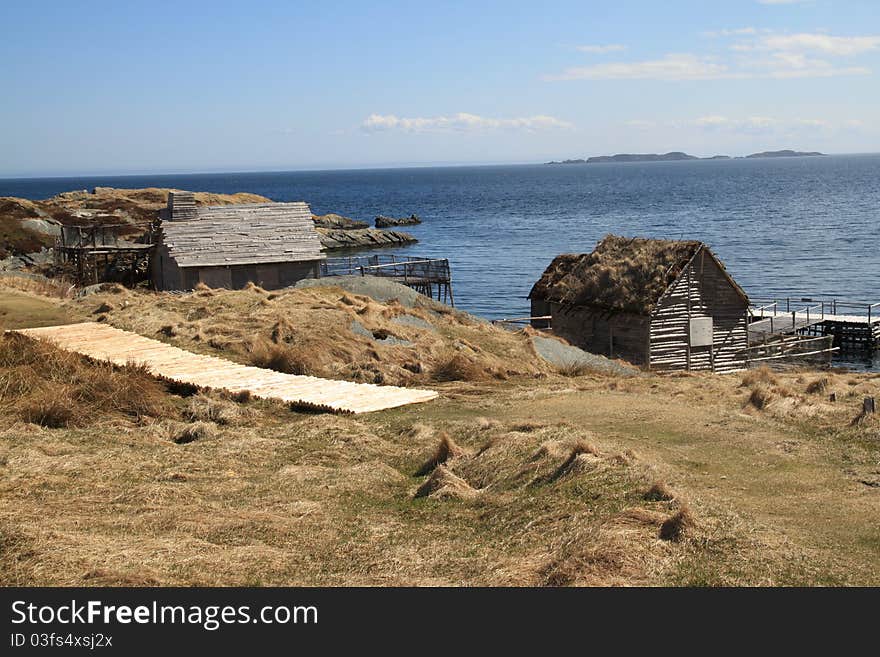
{"type": "Point", "coordinates": [270, 244]}
{"type": "Point", "coordinates": [666, 305]}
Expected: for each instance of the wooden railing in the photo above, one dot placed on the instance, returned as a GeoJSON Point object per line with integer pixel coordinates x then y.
{"type": "Point", "coordinates": [774, 307]}
{"type": "Point", "coordinates": [405, 269]}
{"type": "Point", "coordinates": [523, 320]}
{"type": "Point", "coordinates": [790, 348]}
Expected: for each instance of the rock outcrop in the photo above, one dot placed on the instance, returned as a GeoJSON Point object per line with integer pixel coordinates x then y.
{"type": "Point", "coordinates": [389, 222]}
{"type": "Point", "coordinates": [365, 238]}
{"type": "Point", "coordinates": [338, 221]}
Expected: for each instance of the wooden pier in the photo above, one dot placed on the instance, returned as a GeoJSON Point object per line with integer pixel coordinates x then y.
{"type": "Point", "coordinates": [852, 326]}
{"type": "Point", "coordinates": [424, 275]}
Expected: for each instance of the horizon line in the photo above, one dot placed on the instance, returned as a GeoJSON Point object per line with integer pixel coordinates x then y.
{"type": "Point", "coordinates": [377, 167]}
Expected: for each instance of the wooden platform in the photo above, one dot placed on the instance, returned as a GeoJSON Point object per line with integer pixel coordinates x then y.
{"type": "Point", "coordinates": [106, 343]}
{"type": "Point", "coordinates": [793, 322]}
{"type": "Point", "coordinates": [849, 332]}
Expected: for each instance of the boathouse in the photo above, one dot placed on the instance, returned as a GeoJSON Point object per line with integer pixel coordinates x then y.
{"type": "Point", "coordinates": [273, 245]}
{"type": "Point", "coordinates": [666, 305]}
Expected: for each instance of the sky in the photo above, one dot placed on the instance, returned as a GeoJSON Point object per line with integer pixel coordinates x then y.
{"type": "Point", "coordinates": [135, 87]}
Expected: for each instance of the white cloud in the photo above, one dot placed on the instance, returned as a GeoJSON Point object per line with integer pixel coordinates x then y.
{"type": "Point", "coordinates": [669, 67]}
{"type": "Point", "coordinates": [805, 42]}
{"type": "Point", "coordinates": [461, 122]}
{"type": "Point", "coordinates": [601, 49]}
{"type": "Point", "coordinates": [739, 31]}
{"type": "Point", "coordinates": [781, 66]}
{"type": "Point", "coordinates": [783, 59]}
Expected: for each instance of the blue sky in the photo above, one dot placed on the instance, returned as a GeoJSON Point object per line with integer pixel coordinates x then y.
{"type": "Point", "coordinates": [126, 87]}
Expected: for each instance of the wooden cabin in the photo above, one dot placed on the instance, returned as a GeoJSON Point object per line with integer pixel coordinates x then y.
{"type": "Point", "coordinates": [273, 245]}
{"type": "Point", "coordinates": [665, 305]}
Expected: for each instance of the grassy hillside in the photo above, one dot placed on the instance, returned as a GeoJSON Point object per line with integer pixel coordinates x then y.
{"type": "Point", "coordinates": [516, 475]}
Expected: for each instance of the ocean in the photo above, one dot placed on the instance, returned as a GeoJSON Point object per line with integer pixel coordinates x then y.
{"type": "Point", "coordinates": [804, 227]}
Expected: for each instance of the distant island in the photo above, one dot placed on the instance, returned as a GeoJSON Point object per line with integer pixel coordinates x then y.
{"type": "Point", "coordinates": [678, 156]}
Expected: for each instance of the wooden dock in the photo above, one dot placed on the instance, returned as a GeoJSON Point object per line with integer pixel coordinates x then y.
{"type": "Point", "coordinates": [849, 330]}
{"type": "Point", "coordinates": [106, 343]}
{"type": "Point", "coordinates": [424, 275]}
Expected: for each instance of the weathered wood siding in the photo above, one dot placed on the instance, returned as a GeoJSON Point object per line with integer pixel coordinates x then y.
{"type": "Point", "coordinates": [270, 276]}
{"type": "Point", "coordinates": [613, 334]}
{"type": "Point", "coordinates": [702, 290]}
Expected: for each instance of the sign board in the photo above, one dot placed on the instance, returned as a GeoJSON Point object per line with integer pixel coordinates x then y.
{"type": "Point", "coordinates": [701, 332]}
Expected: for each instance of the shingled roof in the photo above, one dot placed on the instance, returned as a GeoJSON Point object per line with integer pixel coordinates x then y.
{"type": "Point", "coordinates": [239, 234]}
{"type": "Point", "coordinates": [621, 274]}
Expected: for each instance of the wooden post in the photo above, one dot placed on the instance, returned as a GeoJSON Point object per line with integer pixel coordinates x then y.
{"type": "Point", "coordinates": [688, 345]}
{"type": "Point", "coordinates": [868, 406]}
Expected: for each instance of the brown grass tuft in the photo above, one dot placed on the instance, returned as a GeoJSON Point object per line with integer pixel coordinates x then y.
{"type": "Point", "coordinates": [658, 492]}
{"type": "Point", "coordinates": [290, 359]}
{"type": "Point", "coordinates": [202, 290]}
{"type": "Point", "coordinates": [202, 408]}
{"type": "Point", "coordinates": [196, 431]}
{"type": "Point", "coordinates": [759, 375]}
{"type": "Point", "coordinates": [446, 449]}
{"type": "Point", "coordinates": [675, 526]}
{"type": "Point", "coordinates": [458, 367]}
{"type": "Point", "coordinates": [282, 331]}
{"type": "Point", "coordinates": [819, 386]}
{"type": "Point", "coordinates": [576, 461]}
{"type": "Point", "coordinates": [761, 396]}
{"type": "Point", "coordinates": [50, 409]}
{"type": "Point", "coordinates": [443, 483]}
{"type": "Point", "coordinates": [574, 369]}
{"type": "Point", "coordinates": [253, 287]}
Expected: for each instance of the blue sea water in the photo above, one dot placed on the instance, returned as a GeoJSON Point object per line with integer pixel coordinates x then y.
{"type": "Point", "coordinates": [805, 226]}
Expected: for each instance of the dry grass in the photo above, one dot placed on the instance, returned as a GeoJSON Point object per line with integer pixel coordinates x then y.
{"type": "Point", "coordinates": [282, 498]}
{"type": "Point", "coordinates": [575, 370]}
{"type": "Point", "coordinates": [443, 483]}
{"type": "Point", "coordinates": [675, 527]}
{"type": "Point", "coordinates": [659, 492]}
{"type": "Point", "coordinates": [310, 331]}
{"type": "Point", "coordinates": [458, 367]}
{"type": "Point", "coordinates": [58, 389]}
{"type": "Point", "coordinates": [759, 375]}
{"type": "Point", "coordinates": [290, 359]}
{"type": "Point", "coordinates": [190, 433]}
{"type": "Point", "coordinates": [206, 408]}
{"type": "Point", "coordinates": [818, 386]}
{"type": "Point", "coordinates": [54, 288]}
{"type": "Point", "coordinates": [446, 449]}
{"type": "Point", "coordinates": [761, 396]}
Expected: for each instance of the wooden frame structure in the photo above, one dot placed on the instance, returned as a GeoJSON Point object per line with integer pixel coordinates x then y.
{"type": "Point", "coordinates": [93, 251]}
{"type": "Point", "coordinates": [425, 275]}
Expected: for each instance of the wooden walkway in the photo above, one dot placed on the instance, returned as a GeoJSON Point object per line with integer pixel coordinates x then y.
{"type": "Point", "coordinates": [106, 343]}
